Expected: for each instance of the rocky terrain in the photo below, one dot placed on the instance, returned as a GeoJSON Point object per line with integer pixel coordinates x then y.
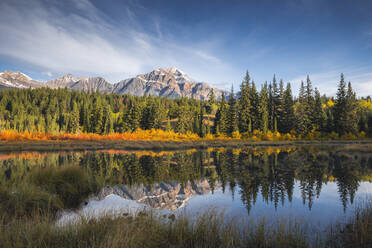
{"type": "Point", "coordinates": [170, 82]}
{"type": "Point", "coordinates": [170, 195]}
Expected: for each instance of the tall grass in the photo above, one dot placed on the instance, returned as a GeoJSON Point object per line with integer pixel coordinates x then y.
{"type": "Point", "coordinates": [357, 231]}
{"type": "Point", "coordinates": [153, 230]}
{"type": "Point", "coordinates": [209, 230]}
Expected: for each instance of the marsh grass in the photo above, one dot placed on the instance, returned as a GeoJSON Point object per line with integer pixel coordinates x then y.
{"type": "Point", "coordinates": [211, 229]}
{"type": "Point", "coordinates": [148, 230]}
{"type": "Point", "coordinates": [357, 231]}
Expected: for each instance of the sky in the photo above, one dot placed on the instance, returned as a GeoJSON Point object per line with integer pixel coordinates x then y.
{"type": "Point", "coordinates": [212, 41]}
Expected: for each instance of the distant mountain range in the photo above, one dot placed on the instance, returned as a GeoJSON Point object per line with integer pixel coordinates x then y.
{"type": "Point", "coordinates": [170, 82]}
{"type": "Point", "coordinates": [166, 195]}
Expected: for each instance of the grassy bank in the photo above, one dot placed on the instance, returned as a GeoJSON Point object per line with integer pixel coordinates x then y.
{"type": "Point", "coordinates": [209, 230]}
{"type": "Point", "coordinates": [73, 145]}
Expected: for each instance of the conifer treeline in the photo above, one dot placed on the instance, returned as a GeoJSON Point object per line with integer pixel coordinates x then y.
{"type": "Point", "coordinates": [273, 108]}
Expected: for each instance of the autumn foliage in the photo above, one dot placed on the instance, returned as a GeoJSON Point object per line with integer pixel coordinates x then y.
{"type": "Point", "coordinates": [138, 135]}
{"type": "Point", "coordinates": [161, 135]}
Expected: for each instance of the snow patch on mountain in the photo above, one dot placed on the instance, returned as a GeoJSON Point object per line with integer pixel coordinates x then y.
{"type": "Point", "coordinates": [171, 82]}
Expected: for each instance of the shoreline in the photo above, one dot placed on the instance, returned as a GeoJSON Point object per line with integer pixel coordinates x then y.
{"type": "Point", "coordinates": [94, 145]}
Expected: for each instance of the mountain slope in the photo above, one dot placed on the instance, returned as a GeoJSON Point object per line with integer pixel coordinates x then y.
{"type": "Point", "coordinates": [9, 79]}
{"type": "Point", "coordinates": [170, 82]}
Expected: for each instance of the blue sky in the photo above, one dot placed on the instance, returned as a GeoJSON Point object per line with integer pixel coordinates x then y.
{"type": "Point", "coordinates": [212, 41]}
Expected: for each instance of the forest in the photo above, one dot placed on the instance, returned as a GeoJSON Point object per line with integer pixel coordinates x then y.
{"type": "Point", "coordinates": [270, 111]}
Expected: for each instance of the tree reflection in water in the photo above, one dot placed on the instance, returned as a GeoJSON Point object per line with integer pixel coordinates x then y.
{"type": "Point", "coordinates": [270, 172]}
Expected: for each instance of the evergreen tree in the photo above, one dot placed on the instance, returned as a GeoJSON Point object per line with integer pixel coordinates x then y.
{"type": "Point", "coordinates": [74, 119]}
{"type": "Point", "coordinates": [130, 119]}
{"type": "Point", "coordinates": [276, 104]}
{"type": "Point", "coordinates": [96, 118]}
{"type": "Point", "coordinates": [232, 113]}
{"type": "Point", "coordinates": [279, 108]}
{"type": "Point", "coordinates": [182, 124]}
{"type": "Point", "coordinates": [202, 128]}
{"type": "Point", "coordinates": [351, 111]}
{"type": "Point", "coordinates": [221, 120]}
{"type": "Point", "coordinates": [85, 117]}
{"type": "Point", "coordinates": [244, 107]}
{"type": "Point", "coordinates": [301, 117]}
{"type": "Point", "coordinates": [107, 122]}
{"type": "Point", "coordinates": [309, 105]}
{"type": "Point", "coordinates": [150, 114]}
{"type": "Point", "coordinates": [263, 108]}
{"type": "Point", "coordinates": [270, 107]}
{"type": "Point", "coordinates": [318, 112]}
{"type": "Point", "coordinates": [255, 107]}
{"type": "Point", "coordinates": [169, 126]}
{"type": "Point", "coordinates": [288, 117]}
{"type": "Point", "coordinates": [211, 102]}
{"type": "Point", "coordinates": [340, 115]}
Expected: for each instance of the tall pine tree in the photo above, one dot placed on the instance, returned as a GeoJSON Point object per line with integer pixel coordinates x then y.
{"type": "Point", "coordinates": [288, 117]}
{"type": "Point", "coordinates": [232, 113]}
{"type": "Point", "coordinates": [245, 118]}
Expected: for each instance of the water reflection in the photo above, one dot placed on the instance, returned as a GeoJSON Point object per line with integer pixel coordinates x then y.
{"type": "Point", "coordinates": [170, 195]}
{"type": "Point", "coordinates": [250, 176]}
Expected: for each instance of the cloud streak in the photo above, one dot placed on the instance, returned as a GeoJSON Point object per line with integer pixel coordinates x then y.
{"type": "Point", "coordinates": [84, 40]}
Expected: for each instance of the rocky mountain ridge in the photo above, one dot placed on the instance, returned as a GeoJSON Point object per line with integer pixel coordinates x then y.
{"type": "Point", "coordinates": [170, 82]}
{"type": "Point", "coordinates": [166, 195]}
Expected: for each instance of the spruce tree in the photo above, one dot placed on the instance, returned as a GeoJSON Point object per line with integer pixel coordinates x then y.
{"type": "Point", "coordinates": [263, 109]}
{"type": "Point", "coordinates": [279, 108]}
{"type": "Point", "coordinates": [351, 111]}
{"type": "Point", "coordinates": [340, 115]}
{"type": "Point", "coordinates": [202, 128]}
{"type": "Point", "coordinates": [244, 107]}
{"type": "Point", "coordinates": [221, 120]}
{"type": "Point", "coordinates": [169, 125]}
{"type": "Point", "coordinates": [96, 118]}
{"type": "Point", "coordinates": [107, 123]}
{"type": "Point", "coordinates": [270, 107]}
{"type": "Point", "coordinates": [183, 119]}
{"type": "Point", "coordinates": [211, 102]}
{"type": "Point", "coordinates": [301, 117]}
{"type": "Point", "coordinates": [318, 112]}
{"type": "Point", "coordinates": [74, 119]}
{"type": "Point", "coordinates": [288, 117]}
{"type": "Point", "coordinates": [232, 113]}
{"type": "Point", "coordinates": [276, 104]}
{"type": "Point", "coordinates": [255, 107]}
{"type": "Point", "coordinates": [309, 105]}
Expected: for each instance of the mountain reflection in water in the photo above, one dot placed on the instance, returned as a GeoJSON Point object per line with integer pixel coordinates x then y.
{"type": "Point", "coordinates": [171, 195]}
{"type": "Point", "coordinates": [307, 179]}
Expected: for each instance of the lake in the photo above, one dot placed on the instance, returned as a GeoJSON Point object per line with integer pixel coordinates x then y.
{"type": "Point", "coordinates": [316, 184]}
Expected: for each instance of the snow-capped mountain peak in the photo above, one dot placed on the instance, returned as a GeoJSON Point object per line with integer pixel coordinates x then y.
{"type": "Point", "coordinates": [170, 82]}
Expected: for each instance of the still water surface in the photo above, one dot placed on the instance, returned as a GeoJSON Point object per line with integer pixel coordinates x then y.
{"type": "Point", "coordinates": [317, 184]}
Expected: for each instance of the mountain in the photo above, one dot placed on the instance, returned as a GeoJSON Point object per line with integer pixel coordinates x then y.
{"type": "Point", "coordinates": [9, 79]}
{"type": "Point", "coordinates": [170, 82]}
{"type": "Point", "coordinates": [170, 195]}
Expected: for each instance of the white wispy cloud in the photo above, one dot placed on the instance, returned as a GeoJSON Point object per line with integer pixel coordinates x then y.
{"type": "Point", "coordinates": [47, 73]}
{"type": "Point", "coordinates": [86, 41]}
